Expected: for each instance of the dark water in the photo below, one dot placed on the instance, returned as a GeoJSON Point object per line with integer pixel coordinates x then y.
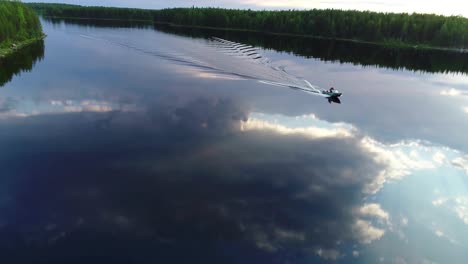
{"type": "Point", "coordinates": [20, 61]}
{"type": "Point", "coordinates": [141, 145]}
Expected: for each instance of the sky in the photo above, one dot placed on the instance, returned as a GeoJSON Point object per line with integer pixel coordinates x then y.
{"type": "Point", "coordinates": [447, 7]}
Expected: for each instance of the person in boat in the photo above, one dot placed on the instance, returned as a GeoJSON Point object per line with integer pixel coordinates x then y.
{"type": "Point", "coordinates": [331, 90]}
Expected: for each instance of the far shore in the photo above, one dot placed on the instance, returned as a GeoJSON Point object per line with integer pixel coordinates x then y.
{"type": "Point", "coordinates": [390, 44]}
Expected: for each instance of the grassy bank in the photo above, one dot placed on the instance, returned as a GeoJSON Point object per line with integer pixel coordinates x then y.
{"type": "Point", "coordinates": [9, 48]}
{"type": "Point", "coordinates": [399, 30]}
{"type": "Point", "coordinates": [19, 26]}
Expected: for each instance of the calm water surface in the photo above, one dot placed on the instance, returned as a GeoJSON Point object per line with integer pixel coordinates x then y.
{"type": "Point", "coordinates": [136, 145]}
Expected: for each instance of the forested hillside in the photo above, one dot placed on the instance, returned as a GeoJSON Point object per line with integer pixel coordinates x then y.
{"type": "Point", "coordinates": [388, 28]}
{"type": "Point", "coordinates": [18, 22]}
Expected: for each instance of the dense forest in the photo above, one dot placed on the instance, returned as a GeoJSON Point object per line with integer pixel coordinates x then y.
{"type": "Point", "coordinates": [389, 28]}
{"type": "Point", "coordinates": [18, 22]}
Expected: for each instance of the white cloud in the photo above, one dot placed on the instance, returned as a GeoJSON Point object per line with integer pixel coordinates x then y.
{"type": "Point", "coordinates": [438, 158]}
{"type": "Point", "coordinates": [85, 106]}
{"type": "Point", "coordinates": [374, 210]}
{"type": "Point", "coordinates": [441, 234]}
{"type": "Point", "coordinates": [458, 205]}
{"type": "Point", "coordinates": [404, 221]}
{"type": "Point", "coordinates": [56, 103]}
{"type": "Point", "coordinates": [328, 254]}
{"type": "Point", "coordinates": [451, 92]}
{"type": "Point", "coordinates": [397, 162]}
{"type": "Point", "coordinates": [289, 235]}
{"type": "Point", "coordinates": [461, 208]}
{"type": "Point", "coordinates": [308, 131]}
{"type": "Point", "coordinates": [262, 242]}
{"type": "Point", "coordinates": [365, 232]}
{"type": "Point", "coordinates": [462, 163]}
{"type": "Point", "coordinates": [439, 201]}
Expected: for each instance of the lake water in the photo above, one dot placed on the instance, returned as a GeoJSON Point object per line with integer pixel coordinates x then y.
{"type": "Point", "coordinates": [141, 144]}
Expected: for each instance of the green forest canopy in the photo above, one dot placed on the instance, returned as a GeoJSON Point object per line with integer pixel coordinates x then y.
{"type": "Point", "coordinates": [390, 28]}
{"type": "Point", "coordinates": [18, 22]}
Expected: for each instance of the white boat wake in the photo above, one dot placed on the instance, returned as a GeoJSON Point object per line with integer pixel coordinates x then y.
{"type": "Point", "coordinates": [223, 57]}
{"type": "Point", "coordinates": [267, 73]}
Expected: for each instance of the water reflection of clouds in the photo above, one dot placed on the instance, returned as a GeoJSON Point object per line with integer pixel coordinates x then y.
{"type": "Point", "coordinates": [207, 169]}
{"type": "Point", "coordinates": [25, 108]}
{"type": "Point", "coordinates": [452, 92]}
{"type": "Point", "coordinates": [213, 181]}
{"type": "Point", "coordinates": [398, 160]}
{"type": "Point", "coordinates": [462, 163]}
{"type": "Point", "coordinates": [458, 205]}
{"type": "Point", "coordinates": [272, 182]}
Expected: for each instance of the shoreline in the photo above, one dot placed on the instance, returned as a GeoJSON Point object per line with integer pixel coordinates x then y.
{"type": "Point", "coordinates": [389, 44]}
{"type": "Point", "coordinates": [5, 52]}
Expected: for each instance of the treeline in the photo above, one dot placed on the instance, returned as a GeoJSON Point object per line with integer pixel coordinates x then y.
{"type": "Point", "coordinates": [390, 28]}
{"type": "Point", "coordinates": [417, 60]}
{"type": "Point", "coordinates": [18, 22]}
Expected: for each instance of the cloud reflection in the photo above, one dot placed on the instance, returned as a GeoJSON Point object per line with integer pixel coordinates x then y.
{"type": "Point", "coordinates": [174, 174]}
{"type": "Point", "coordinates": [199, 177]}
{"type": "Point", "coordinates": [462, 163]}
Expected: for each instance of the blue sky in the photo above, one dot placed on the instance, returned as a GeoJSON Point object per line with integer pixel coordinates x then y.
{"type": "Point", "coordinates": [447, 7]}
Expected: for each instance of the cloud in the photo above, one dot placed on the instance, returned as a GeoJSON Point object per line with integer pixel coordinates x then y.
{"type": "Point", "coordinates": [399, 160]}
{"type": "Point", "coordinates": [364, 229]}
{"type": "Point", "coordinates": [374, 210]}
{"type": "Point", "coordinates": [367, 233]}
{"type": "Point", "coordinates": [458, 205]}
{"type": "Point", "coordinates": [461, 208]}
{"type": "Point", "coordinates": [438, 158]}
{"type": "Point", "coordinates": [451, 92]}
{"type": "Point", "coordinates": [309, 131]}
{"type": "Point", "coordinates": [201, 170]}
{"type": "Point", "coordinates": [177, 171]}
{"type": "Point", "coordinates": [462, 163]}
{"type": "Point", "coordinates": [328, 254]}
{"type": "Point", "coordinates": [22, 109]}
{"type": "Point", "coordinates": [439, 201]}
{"type": "Point", "coordinates": [404, 221]}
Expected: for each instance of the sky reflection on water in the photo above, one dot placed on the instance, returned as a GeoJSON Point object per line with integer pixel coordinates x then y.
{"type": "Point", "coordinates": [115, 155]}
